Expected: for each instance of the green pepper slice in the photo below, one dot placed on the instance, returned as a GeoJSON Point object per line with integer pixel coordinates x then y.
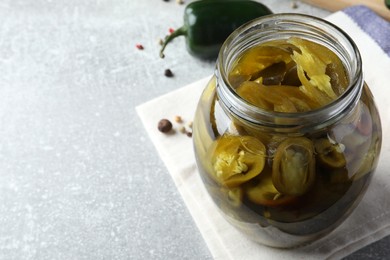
{"type": "Point", "coordinates": [293, 168]}
{"type": "Point", "coordinates": [329, 154]}
{"type": "Point", "coordinates": [259, 58]}
{"type": "Point", "coordinates": [265, 193]}
{"type": "Point", "coordinates": [236, 159]}
{"type": "Point", "coordinates": [264, 97]}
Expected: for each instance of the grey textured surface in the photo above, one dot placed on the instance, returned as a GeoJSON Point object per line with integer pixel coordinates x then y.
{"type": "Point", "coordinates": [79, 178]}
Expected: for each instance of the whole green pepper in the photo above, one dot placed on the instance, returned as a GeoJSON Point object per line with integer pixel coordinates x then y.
{"type": "Point", "coordinates": [207, 24]}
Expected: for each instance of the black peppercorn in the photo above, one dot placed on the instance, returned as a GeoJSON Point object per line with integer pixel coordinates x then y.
{"type": "Point", "coordinates": [164, 125]}
{"type": "Point", "coordinates": [168, 73]}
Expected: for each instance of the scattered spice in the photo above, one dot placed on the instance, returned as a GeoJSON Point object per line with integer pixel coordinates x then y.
{"type": "Point", "coordinates": [160, 41]}
{"type": "Point", "coordinates": [178, 119]}
{"type": "Point", "coordinates": [139, 46]}
{"type": "Point", "coordinates": [166, 0]}
{"type": "Point", "coordinates": [294, 5]}
{"type": "Point", "coordinates": [180, 2]}
{"type": "Point", "coordinates": [182, 130]}
{"type": "Point", "coordinates": [171, 30]}
{"type": "Point", "coordinates": [168, 73]}
{"type": "Point", "coordinates": [164, 125]}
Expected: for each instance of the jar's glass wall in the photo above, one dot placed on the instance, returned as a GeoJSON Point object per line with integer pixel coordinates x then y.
{"type": "Point", "coordinates": [339, 144]}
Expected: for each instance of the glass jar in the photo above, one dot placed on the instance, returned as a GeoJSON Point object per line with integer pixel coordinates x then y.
{"type": "Point", "coordinates": [286, 178]}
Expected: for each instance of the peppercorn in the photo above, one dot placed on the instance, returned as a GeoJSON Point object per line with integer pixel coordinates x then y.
{"type": "Point", "coordinates": [182, 130]}
{"type": "Point", "coordinates": [189, 134]}
{"type": "Point", "coordinates": [168, 73]}
{"type": "Point", "coordinates": [178, 119]}
{"type": "Point", "coordinates": [164, 125]}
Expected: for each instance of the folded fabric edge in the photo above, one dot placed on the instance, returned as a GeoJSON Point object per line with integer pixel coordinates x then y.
{"type": "Point", "coordinates": [210, 235]}
{"type": "Point", "coordinates": [202, 82]}
{"type": "Point", "coordinates": [375, 26]}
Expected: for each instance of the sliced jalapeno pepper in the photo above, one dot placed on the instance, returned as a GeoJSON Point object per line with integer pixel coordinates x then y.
{"type": "Point", "coordinates": [264, 97]}
{"type": "Point", "coordinates": [259, 58]}
{"type": "Point", "coordinates": [236, 159]}
{"type": "Point", "coordinates": [293, 168]}
{"type": "Point", "coordinates": [265, 193]}
{"type": "Point", "coordinates": [334, 67]}
{"type": "Point", "coordinates": [329, 154]}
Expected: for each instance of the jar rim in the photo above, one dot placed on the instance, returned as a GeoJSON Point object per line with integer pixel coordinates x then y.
{"type": "Point", "coordinates": [290, 24]}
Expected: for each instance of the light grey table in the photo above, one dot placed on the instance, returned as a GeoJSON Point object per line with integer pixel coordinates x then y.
{"type": "Point", "coordinates": [79, 178]}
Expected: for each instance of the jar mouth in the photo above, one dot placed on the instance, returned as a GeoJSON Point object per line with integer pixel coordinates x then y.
{"type": "Point", "coordinates": [284, 26]}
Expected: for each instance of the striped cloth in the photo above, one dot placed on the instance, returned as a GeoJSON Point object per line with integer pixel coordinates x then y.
{"type": "Point", "coordinates": [372, 24]}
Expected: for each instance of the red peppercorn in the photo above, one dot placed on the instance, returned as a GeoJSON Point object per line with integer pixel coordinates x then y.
{"type": "Point", "coordinates": [139, 46]}
{"type": "Point", "coordinates": [171, 30]}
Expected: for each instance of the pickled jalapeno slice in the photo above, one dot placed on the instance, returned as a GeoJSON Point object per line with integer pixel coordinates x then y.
{"type": "Point", "coordinates": [259, 58]}
{"type": "Point", "coordinates": [311, 72]}
{"type": "Point", "coordinates": [265, 193]}
{"type": "Point", "coordinates": [276, 98]}
{"type": "Point", "coordinates": [293, 168]}
{"type": "Point", "coordinates": [236, 159]}
{"type": "Point", "coordinates": [308, 67]}
{"type": "Point", "coordinates": [329, 154]}
{"type": "Point", "coordinates": [334, 67]}
{"type": "Point", "coordinates": [260, 96]}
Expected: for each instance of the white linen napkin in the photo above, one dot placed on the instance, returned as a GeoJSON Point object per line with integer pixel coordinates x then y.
{"type": "Point", "coordinates": [368, 223]}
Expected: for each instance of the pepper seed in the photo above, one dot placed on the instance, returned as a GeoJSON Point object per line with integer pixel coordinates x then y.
{"type": "Point", "coordinates": [180, 2]}
{"type": "Point", "coordinates": [164, 125]}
